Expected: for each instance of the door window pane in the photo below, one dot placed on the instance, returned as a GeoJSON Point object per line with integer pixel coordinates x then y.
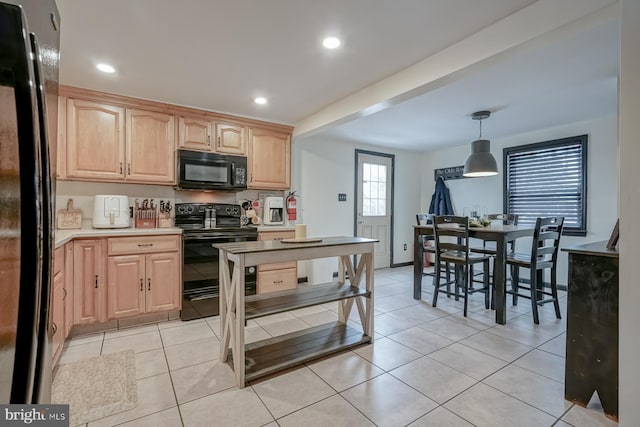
{"type": "Point", "coordinates": [374, 189]}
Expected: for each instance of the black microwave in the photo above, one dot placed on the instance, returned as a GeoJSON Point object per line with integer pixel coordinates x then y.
{"type": "Point", "coordinates": [211, 171]}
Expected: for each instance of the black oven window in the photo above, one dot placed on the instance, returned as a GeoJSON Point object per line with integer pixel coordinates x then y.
{"type": "Point", "coordinates": [205, 173]}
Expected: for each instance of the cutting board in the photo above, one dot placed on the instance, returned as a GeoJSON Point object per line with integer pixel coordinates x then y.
{"type": "Point", "coordinates": [69, 218]}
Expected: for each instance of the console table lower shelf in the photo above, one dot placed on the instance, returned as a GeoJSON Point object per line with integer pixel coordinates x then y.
{"type": "Point", "coordinates": [278, 353]}
{"type": "Point", "coordinates": [254, 360]}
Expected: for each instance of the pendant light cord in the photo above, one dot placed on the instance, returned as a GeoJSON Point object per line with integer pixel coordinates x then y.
{"type": "Point", "coordinates": [480, 129]}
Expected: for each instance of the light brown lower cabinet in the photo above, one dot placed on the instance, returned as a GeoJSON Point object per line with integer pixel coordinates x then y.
{"type": "Point", "coordinates": [89, 290]}
{"type": "Point", "coordinates": [144, 282]}
{"type": "Point", "coordinates": [61, 298]}
{"type": "Point", "coordinates": [57, 304]}
{"type": "Point", "coordinates": [140, 284]}
{"type": "Point", "coordinates": [279, 276]}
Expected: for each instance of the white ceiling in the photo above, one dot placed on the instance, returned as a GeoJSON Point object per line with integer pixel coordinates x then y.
{"type": "Point", "coordinates": [218, 55]}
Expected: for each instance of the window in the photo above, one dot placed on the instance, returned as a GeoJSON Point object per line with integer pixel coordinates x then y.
{"type": "Point", "coordinates": [374, 197]}
{"type": "Point", "coordinates": [548, 179]}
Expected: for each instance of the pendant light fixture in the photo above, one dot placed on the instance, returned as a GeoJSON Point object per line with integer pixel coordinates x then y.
{"type": "Point", "coordinates": [480, 162]}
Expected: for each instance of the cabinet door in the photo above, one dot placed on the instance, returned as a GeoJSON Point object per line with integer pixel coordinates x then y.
{"type": "Point", "coordinates": [150, 147]}
{"type": "Point", "coordinates": [269, 160]}
{"type": "Point", "coordinates": [194, 134]}
{"type": "Point", "coordinates": [57, 315]}
{"type": "Point", "coordinates": [125, 286]}
{"type": "Point", "coordinates": [163, 282]}
{"type": "Point", "coordinates": [230, 139]}
{"type": "Point", "coordinates": [68, 288]}
{"type": "Point", "coordinates": [88, 282]}
{"type": "Point", "coordinates": [60, 149]}
{"type": "Point", "coordinates": [95, 141]}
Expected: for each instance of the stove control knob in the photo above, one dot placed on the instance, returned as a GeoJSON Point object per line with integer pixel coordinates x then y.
{"type": "Point", "coordinates": [251, 270]}
{"type": "Point", "coordinates": [236, 210]}
{"type": "Point", "coordinates": [181, 209]}
{"type": "Point", "coordinates": [229, 210]}
{"type": "Point", "coordinates": [190, 209]}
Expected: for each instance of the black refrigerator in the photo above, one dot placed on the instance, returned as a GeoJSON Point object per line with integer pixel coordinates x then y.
{"type": "Point", "coordinates": [29, 57]}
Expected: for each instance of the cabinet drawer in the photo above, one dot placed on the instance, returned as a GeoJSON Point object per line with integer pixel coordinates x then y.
{"type": "Point", "coordinates": [276, 235]}
{"type": "Point", "coordinates": [58, 260]}
{"type": "Point", "coordinates": [142, 244]}
{"type": "Point", "coordinates": [277, 280]}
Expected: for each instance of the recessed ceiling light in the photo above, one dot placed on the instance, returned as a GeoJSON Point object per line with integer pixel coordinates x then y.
{"type": "Point", "coordinates": [331, 42]}
{"type": "Point", "coordinates": [105, 68]}
{"type": "Point", "coordinates": [260, 100]}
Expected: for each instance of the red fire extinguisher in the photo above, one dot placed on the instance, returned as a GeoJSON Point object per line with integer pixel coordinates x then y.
{"type": "Point", "coordinates": [291, 206]}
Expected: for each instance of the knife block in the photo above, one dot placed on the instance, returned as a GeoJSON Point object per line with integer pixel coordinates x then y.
{"type": "Point", "coordinates": [146, 218]}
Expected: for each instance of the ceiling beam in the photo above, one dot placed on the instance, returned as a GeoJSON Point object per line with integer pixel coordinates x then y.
{"type": "Point", "coordinates": [533, 22]}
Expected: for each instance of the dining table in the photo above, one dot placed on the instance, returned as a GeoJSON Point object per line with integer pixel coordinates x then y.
{"type": "Point", "coordinates": [502, 234]}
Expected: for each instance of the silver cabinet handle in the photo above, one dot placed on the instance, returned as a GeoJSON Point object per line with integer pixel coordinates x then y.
{"type": "Point", "coordinates": [149, 284]}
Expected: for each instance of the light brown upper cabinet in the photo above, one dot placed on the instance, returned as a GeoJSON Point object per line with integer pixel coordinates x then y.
{"type": "Point", "coordinates": [109, 143]}
{"type": "Point", "coordinates": [230, 139]}
{"type": "Point", "coordinates": [204, 135]}
{"type": "Point", "coordinates": [95, 141]}
{"type": "Point", "coordinates": [150, 147]}
{"type": "Point", "coordinates": [194, 133]}
{"type": "Point", "coordinates": [59, 150]}
{"type": "Point", "coordinates": [269, 159]}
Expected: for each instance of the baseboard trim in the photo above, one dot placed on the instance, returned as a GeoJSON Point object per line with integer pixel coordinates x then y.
{"type": "Point", "coordinates": [401, 264]}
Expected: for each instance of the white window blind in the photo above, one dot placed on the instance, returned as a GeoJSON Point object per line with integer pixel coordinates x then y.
{"type": "Point", "coordinates": [548, 179]}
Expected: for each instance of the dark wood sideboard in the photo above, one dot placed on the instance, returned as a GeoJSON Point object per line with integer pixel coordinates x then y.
{"type": "Point", "coordinates": [592, 326]}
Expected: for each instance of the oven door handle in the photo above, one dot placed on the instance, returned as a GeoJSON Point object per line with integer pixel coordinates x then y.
{"type": "Point", "coordinates": [219, 239]}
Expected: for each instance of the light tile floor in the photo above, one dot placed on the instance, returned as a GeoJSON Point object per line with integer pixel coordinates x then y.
{"type": "Point", "coordinates": [427, 367]}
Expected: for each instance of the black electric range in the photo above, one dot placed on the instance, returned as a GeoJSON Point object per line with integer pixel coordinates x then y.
{"type": "Point", "coordinates": [201, 287]}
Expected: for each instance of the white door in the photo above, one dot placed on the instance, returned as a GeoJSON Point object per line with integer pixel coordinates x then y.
{"type": "Point", "coordinates": [374, 204]}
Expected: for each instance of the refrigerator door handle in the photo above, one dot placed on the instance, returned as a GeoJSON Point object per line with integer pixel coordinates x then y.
{"type": "Point", "coordinates": [42, 380]}
{"type": "Point", "coordinates": [17, 59]}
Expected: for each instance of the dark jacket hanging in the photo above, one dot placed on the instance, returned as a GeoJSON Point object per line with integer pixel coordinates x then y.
{"type": "Point", "coordinates": [441, 200]}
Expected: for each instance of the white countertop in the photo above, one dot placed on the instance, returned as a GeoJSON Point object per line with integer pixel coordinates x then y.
{"type": "Point", "coordinates": [64, 236]}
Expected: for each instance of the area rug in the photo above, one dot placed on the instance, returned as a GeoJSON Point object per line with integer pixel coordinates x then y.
{"type": "Point", "coordinates": [97, 387]}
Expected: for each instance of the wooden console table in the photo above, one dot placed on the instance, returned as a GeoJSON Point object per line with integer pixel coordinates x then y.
{"type": "Point", "coordinates": [592, 326]}
{"type": "Point", "coordinates": [250, 361]}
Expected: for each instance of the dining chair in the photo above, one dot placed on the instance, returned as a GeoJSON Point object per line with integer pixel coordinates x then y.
{"type": "Point", "coordinates": [422, 219]}
{"type": "Point", "coordinates": [543, 256]}
{"type": "Point", "coordinates": [452, 246]}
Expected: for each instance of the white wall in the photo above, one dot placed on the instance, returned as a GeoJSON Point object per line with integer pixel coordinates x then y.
{"type": "Point", "coordinates": [486, 193]}
{"type": "Point", "coordinates": [325, 167]}
{"type": "Point", "coordinates": [629, 246]}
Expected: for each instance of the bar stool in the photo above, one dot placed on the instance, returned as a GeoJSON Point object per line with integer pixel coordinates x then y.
{"type": "Point", "coordinates": [457, 253]}
{"type": "Point", "coordinates": [543, 256]}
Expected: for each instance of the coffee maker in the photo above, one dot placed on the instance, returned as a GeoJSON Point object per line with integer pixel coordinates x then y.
{"type": "Point", "coordinates": [273, 211]}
